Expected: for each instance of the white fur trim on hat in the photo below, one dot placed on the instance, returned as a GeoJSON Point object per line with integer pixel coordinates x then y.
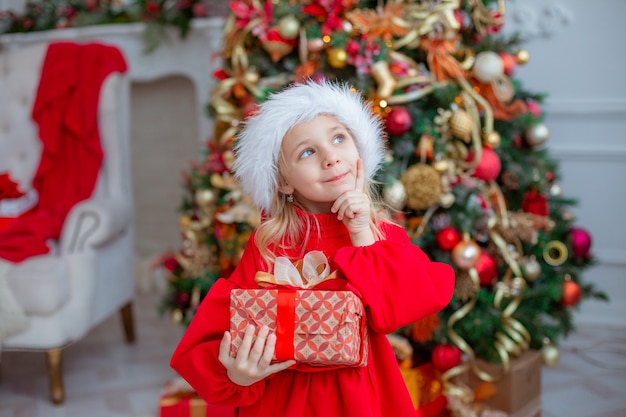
{"type": "Point", "coordinates": [258, 144]}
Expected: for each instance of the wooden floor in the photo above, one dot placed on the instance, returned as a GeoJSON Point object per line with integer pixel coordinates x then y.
{"type": "Point", "coordinates": [104, 377]}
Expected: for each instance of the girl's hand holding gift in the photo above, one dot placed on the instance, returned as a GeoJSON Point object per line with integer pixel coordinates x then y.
{"type": "Point", "coordinates": [252, 362]}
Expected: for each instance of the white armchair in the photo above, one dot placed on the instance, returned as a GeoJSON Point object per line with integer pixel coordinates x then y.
{"type": "Point", "coordinates": [89, 272]}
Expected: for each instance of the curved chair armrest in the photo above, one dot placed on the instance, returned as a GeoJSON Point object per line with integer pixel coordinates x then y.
{"type": "Point", "coordinates": [94, 223]}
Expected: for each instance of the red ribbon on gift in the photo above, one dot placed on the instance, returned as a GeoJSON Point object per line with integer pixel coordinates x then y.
{"type": "Point", "coordinates": [308, 272]}
{"type": "Point", "coordinates": [285, 324]}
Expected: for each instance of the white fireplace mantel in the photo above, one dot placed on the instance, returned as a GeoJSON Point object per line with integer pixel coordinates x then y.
{"type": "Point", "coordinates": [195, 57]}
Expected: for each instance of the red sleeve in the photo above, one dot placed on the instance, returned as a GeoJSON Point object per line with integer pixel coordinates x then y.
{"type": "Point", "coordinates": [398, 283]}
{"type": "Point", "coordinates": [196, 356]}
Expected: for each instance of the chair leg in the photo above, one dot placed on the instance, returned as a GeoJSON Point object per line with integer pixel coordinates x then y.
{"type": "Point", "coordinates": [128, 322]}
{"type": "Point", "coordinates": [54, 358]}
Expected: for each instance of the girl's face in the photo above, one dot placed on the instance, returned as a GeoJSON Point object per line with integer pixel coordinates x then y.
{"type": "Point", "coordinates": [319, 159]}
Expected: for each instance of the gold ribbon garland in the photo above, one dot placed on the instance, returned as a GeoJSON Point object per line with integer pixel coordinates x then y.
{"type": "Point", "coordinates": [226, 111]}
{"type": "Point", "coordinates": [484, 18]}
{"type": "Point", "coordinates": [513, 340]}
{"type": "Point", "coordinates": [423, 19]}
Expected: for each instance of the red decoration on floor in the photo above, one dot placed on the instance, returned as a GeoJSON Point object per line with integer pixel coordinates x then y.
{"type": "Point", "coordinates": [178, 399]}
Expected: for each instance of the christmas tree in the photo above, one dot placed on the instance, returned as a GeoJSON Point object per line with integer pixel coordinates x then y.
{"type": "Point", "coordinates": [467, 173]}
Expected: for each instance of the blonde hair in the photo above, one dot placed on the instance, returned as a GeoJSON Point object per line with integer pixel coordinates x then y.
{"type": "Point", "coordinates": [284, 230]}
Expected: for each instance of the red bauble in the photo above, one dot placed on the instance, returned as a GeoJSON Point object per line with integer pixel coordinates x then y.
{"type": "Point", "coordinates": [509, 62]}
{"type": "Point", "coordinates": [398, 121]}
{"type": "Point", "coordinates": [448, 237]}
{"type": "Point", "coordinates": [488, 167]}
{"type": "Point", "coordinates": [486, 268]}
{"type": "Point", "coordinates": [445, 356]}
{"type": "Point", "coordinates": [535, 203]}
{"type": "Point", "coordinates": [182, 300]}
{"type": "Point", "coordinates": [580, 241]}
{"type": "Point", "coordinates": [571, 293]}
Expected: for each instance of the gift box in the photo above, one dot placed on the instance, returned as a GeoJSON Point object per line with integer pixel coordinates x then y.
{"type": "Point", "coordinates": [425, 388]}
{"type": "Point", "coordinates": [314, 327]}
{"type": "Point", "coordinates": [178, 399]}
{"type": "Point", "coordinates": [518, 392]}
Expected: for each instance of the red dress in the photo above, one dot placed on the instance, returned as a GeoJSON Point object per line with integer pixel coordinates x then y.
{"type": "Point", "coordinates": [398, 285]}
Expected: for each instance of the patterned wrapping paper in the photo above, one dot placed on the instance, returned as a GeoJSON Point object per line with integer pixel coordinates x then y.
{"type": "Point", "coordinates": [314, 327]}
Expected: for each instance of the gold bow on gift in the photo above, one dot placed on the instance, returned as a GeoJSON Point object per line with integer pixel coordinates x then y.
{"type": "Point", "coordinates": [308, 272]}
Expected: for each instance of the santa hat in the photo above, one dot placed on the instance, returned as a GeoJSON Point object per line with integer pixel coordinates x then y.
{"type": "Point", "coordinates": [258, 144]}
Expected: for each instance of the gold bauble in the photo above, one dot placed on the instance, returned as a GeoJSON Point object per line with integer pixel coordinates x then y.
{"type": "Point", "coordinates": [205, 197]}
{"type": "Point", "coordinates": [337, 58]}
{"type": "Point", "coordinates": [442, 165]}
{"type": "Point", "coordinates": [488, 67]}
{"type": "Point", "coordinates": [465, 254]}
{"type": "Point", "coordinates": [446, 200]}
{"type": "Point", "coordinates": [395, 195]}
{"type": "Point", "coordinates": [289, 27]}
{"type": "Point", "coordinates": [536, 135]}
{"type": "Point", "coordinates": [461, 125]}
{"type": "Point", "coordinates": [522, 57]}
{"type": "Point", "coordinates": [551, 355]}
{"type": "Point", "coordinates": [531, 268]}
{"type": "Point", "coordinates": [423, 186]}
{"type": "Point", "coordinates": [492, 139]}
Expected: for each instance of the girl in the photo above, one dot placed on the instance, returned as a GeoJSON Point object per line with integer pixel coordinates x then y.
{"type": "Point", "coordinates": [307, 159]}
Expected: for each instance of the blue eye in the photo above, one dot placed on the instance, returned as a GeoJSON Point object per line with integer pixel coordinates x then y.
{"type": "Point", "coordinates": [338, 139]}
{"type": "Point", "coordinates": [306, 153]}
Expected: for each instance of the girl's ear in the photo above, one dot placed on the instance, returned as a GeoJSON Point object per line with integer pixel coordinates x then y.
{"type": "Point", "coordinates": [286, 189]}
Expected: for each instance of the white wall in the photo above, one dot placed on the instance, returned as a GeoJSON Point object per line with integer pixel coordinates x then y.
{"type": "Point", "coordinates": [577, 58]}
{"type": "Point", "coordinates": [15, 5]}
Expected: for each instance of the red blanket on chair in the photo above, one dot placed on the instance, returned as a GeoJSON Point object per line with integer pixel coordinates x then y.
{"type": "Point", "coordinates": [66, 111]}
